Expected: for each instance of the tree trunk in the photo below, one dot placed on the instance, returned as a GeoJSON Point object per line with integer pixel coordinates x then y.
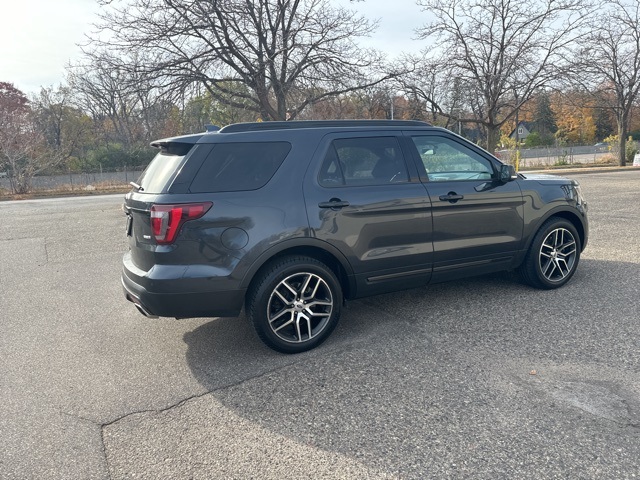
{"type": "Point", "coordinates": [21, 184]}
{"type": "Point", "coordinates": [493, 137]}
{"type": "Point", "coordinates": [282, 105]}
{"type": "Point", "coordinates": [622, 142]}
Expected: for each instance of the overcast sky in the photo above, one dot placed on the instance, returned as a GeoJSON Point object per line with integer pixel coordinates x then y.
{"type": "Point", "coordinates": [39, 37]}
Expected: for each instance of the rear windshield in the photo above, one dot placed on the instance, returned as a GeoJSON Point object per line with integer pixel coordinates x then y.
{"type": "Point", "coordinates": [156, 176]}
{"type": "Point", "coordinates": [231, 167]}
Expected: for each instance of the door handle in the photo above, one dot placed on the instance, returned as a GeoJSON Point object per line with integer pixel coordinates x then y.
{"type": "Point", "coordinates": [334, 204]}
{"type": "Point", "coordinates": [451, 197]}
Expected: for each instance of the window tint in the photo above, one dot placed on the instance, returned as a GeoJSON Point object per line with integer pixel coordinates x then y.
{"type": "Point", "coordinates": [363, 161]}
{"type": "Point", "coordinates": [231, 167]}
{"type": "Point", "coordinates": [156, 176]}
{"type": "Point", "coordinates": [446, 160]}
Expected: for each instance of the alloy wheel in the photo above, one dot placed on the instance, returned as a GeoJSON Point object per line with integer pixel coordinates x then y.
{"type": "Point", "coordinates": [299, 307]}
{"type": "Point", "coordinates": [557, 255]}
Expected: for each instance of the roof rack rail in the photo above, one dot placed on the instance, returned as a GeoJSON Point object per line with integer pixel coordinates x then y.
{"type": "Point", "coordinates": [247, 127]}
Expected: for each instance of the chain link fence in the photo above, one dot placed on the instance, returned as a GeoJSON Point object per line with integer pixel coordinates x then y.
{"type": "Point", "coordinates": [548, 156]}
{"type": "Point", "coordinates": [95, 180]}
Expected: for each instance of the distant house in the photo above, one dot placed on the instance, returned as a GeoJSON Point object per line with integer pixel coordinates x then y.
{"type": "Point", "coordinates": [522, 131]}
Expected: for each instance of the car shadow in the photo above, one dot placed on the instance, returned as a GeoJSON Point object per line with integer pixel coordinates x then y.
{"type": "Point", "coordinates": [423, 370]}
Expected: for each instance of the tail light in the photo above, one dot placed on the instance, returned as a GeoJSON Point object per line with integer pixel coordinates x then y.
{"type": "Point", "coordinates": [166, 220]}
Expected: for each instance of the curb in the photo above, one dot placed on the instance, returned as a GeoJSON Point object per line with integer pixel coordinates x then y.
{"type": "Point", "coordinates": [562, 171]}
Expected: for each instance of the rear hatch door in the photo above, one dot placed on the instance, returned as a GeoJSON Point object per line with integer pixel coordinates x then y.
{"type": "Point", "coordinates": [165, 173]}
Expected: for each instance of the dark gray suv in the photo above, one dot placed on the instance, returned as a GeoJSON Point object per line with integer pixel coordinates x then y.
{"type": "Point", "coordinates": [290, 219]}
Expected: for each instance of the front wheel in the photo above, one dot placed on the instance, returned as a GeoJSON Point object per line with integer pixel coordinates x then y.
{"type": "Point", "coordinates": [553, 256]}
{"type": "Point", "coordinates": [294, 304]}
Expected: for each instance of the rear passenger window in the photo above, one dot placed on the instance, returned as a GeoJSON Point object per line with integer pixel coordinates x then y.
{"type": "Point", "coordinates": [363, 161]}
{"type": "Point", "coordinates": [231, 167]}
{"type": "Point", "coordinates": [163, 167]}
{"type": "Point", "coordinates": [159, 172]}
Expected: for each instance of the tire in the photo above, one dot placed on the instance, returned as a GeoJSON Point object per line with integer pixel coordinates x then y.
{"type": "Point", "coordinates": [294, 304]}
{"type": "Point", "coordinates": [553, 256]}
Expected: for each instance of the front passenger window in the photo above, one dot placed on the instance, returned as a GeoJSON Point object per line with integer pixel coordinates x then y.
{"type": "Point", "coordinates": [446, 160]}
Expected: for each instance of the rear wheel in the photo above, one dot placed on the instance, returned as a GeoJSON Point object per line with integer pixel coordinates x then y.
{"type": "Point", "coordinates": [553, 256]}
{"type": "Point", "coordinates": [295, 304]}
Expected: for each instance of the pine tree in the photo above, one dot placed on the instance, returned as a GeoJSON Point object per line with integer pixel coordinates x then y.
{"type": "Point", "coordinates": [545, 120]}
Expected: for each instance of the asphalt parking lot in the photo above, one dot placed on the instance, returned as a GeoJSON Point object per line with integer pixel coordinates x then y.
{"type": "Point", "coordinates": [429, 383]}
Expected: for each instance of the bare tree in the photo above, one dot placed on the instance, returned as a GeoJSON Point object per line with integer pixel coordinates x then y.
{"type": "Point", "coordinates": [497, 53]}
{"type": "Point", "coordinates": [23, 144]}
{"type": "Point", "coordinates": [288, 53]}
{"type": "Point", "coordinates": [374, 102]}
{"type": "Point", "coordinates": [203, 109]}
{"type": "Point", "coordinates": [380, 101]}
{"type": "Point", "coordinates": [65, 127]}
{"type": "Point", "coordinates": [608, 63]}
{"type": "Point", "coordinates": [444, 98]}
{"type": "Point", "coordinates": [22, 150]}
{"type": "Point", "coordinates": [103, 90]}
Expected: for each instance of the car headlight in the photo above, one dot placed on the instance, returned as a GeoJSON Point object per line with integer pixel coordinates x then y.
{"type": "Point", "coordinates": [574, 192]}
{"type": "Point", "coordinates": [578, 193]}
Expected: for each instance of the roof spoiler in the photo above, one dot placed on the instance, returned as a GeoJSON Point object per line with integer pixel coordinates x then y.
{"type": "Point", "coordinates": [177, 145]}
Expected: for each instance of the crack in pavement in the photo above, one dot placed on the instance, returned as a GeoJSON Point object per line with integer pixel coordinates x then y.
{"type": "Point", "coordinates": [179, 404]}
{"type": "Point", "coordinates": [79, 417]}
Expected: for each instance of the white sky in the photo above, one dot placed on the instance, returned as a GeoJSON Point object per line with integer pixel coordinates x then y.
{"type": "Point", "coordinates": [39, 37]}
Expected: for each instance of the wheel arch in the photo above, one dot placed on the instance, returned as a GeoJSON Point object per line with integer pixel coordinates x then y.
{"type": "Point", "coordinates": [568, 215]}
{"type": "Point", "coordinates": [321, 251]}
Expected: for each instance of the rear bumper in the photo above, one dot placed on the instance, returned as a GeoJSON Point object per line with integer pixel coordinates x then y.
{"type": "Point", "coordinates": [181, 304]}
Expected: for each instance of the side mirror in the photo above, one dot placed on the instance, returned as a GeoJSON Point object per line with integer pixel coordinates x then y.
{"type": "Point", "coordinates": [507, 173]}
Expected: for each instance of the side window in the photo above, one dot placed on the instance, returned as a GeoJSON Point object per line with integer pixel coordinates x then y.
{"type": "Point", "coordinates": [159, 172]}
{"type": "Point", "coordinates": [232, 167]}
{"type": "Point", "coordinates": [363, 161]}
{"type": "Point", "coordinates": [446, 160]}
